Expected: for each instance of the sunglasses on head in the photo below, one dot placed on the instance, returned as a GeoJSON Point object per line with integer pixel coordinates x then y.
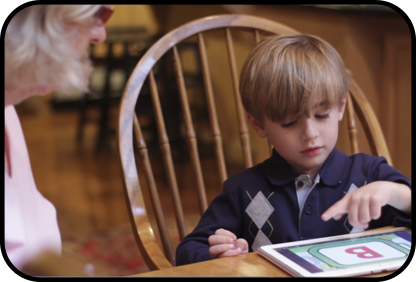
{"type": "Point", "coordinates": [104, 13]}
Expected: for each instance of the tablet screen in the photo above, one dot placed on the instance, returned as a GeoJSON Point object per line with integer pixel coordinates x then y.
{"type": "Point", "coordinates": [349, 253]}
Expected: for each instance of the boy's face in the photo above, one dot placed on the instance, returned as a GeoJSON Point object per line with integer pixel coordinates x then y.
{"type": "Point", "coordinates": [305, 143]}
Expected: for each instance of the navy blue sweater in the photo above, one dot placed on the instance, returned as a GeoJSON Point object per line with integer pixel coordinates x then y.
{"type": "Point", "coordinates": [260, 204]}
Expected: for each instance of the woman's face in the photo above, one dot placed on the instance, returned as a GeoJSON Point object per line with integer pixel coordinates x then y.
{"type": "Point", "coordinates": [83, 37]}
{"type": "Point", "coordinates": [96, 34]}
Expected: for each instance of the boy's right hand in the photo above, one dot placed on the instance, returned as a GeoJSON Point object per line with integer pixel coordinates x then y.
{"type": "Point", "coordinates": [225, 244]}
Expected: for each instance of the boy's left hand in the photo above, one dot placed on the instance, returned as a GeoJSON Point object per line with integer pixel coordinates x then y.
{"type": "Point", "coordinates": [364, 204]}
{"type": "Point", "coordinates": [224, 244]}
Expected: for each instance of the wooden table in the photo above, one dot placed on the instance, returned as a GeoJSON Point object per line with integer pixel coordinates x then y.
{"type": "Point", "coordinates": [251, 264]}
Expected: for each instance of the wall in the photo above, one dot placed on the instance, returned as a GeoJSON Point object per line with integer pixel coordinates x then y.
{"type": "Point", "coordinates": [375, 46]}
{"type": "Point", "coordinates": [133, 15]}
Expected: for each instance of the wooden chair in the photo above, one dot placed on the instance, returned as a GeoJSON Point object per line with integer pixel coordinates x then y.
{"type": "Point", "coordinates": [129, 130]}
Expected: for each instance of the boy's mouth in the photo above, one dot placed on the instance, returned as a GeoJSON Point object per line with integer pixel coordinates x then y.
{"type": "Point", "coordinates": [311, 151]}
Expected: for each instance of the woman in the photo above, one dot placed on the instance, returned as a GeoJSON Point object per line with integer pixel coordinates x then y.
{"type": "Point", "coordinates": [45, 51]}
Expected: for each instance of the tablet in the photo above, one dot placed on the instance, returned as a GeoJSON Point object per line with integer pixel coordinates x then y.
{"type": "Point", "coordinates": [355, 254]}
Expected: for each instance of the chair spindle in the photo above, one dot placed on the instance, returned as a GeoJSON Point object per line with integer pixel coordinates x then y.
{"type": "Point", "coordinates": [352, 128]}
{"type": "Point", "coordinates": [244, 136]}
{"type": "Point", "coordinates": [190, 132]}
{"type": "Point", "coordinates": [215, 128]}
{"type": "Point", "coordinates": [144, 157]}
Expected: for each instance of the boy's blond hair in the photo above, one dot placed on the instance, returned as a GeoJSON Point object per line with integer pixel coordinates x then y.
{"type": "Point", "coordinates": [284, 74]}
{"type": "Point", "coordinates": [38, 45]}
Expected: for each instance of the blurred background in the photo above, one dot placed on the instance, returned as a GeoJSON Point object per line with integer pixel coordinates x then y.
{"type": "Point", "coordinates": [71, 136]}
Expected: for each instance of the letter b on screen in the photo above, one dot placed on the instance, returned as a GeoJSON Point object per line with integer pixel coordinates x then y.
{"type": "Point", "coordinates": [363, 252]}
{"type": "Point", "coordinates": [355, 254]}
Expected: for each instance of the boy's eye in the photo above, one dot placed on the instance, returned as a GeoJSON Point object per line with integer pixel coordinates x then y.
{"type": "Point", "coordinates": [289, 124]}
{"type": "Point", "coordinates": [322, 116]}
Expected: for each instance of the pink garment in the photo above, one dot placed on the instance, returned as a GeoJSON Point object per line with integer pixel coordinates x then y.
{"type": "Point", "coordinates": [30, 223]}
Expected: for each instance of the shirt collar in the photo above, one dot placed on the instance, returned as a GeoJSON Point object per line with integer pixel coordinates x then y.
{"type": "Point", "coordinates": [279, 172]}
{"type": "Point", "coordinates": [333, 170]}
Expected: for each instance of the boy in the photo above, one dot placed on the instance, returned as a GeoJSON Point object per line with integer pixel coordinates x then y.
{"type": "Point", "coordinates": [294, 89]}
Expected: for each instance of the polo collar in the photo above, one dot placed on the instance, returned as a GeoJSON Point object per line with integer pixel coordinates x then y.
{"type": "Point", "coordinates": [279, 172]}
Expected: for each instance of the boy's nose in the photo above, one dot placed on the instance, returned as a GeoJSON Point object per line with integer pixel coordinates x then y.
{"type": "Point", "coordinates": [309, 129]}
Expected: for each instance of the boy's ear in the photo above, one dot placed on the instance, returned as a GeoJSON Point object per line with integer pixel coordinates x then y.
{"type": "Point", "coordinates": [341, 109]}
{"type": "Point", "coordinates": [256, 126]}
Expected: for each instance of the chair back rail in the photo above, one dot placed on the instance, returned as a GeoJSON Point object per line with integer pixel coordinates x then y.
{"type": "Point", "coordinates": [129, 129]}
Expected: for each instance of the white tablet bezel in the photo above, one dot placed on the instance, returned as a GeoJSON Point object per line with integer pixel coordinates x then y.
{"type": "Point", "coordinates": [282, 261]}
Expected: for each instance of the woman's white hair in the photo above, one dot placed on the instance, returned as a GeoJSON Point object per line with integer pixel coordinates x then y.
{"type": "Point", "coordinates": [40, 47]}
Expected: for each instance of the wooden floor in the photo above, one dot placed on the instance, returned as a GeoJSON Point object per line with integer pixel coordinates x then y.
{"type": "Point", "coordinates": [86, 187]}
